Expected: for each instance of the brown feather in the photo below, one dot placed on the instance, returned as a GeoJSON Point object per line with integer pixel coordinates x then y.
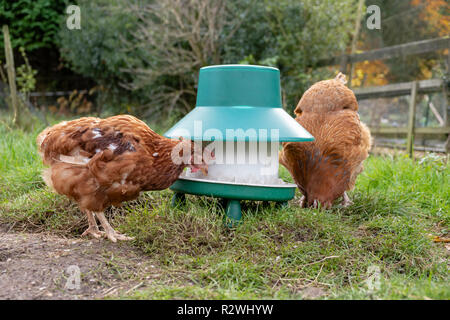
{"type": "Point", "coordinates": [103, 162]}
{"type": "Point", "coordinates": [327, 167]}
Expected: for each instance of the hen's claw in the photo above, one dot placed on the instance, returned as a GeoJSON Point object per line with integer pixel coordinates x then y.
{"type": "Point", "coordinates": [302, 202]}
{"type": "Point", "coordinates": [346, 200]}
{"type": "Point", "coordinates": [94, 232]}
{"type": "Point", "coordinates": [113, 235]}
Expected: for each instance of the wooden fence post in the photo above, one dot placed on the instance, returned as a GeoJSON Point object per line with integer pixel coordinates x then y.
{"type": "Point", "coordinates": [11, 74]}
{"type": "Point", "coordinates": [446, 94]}
{"type": "Point", "coordinates": [411, 119]}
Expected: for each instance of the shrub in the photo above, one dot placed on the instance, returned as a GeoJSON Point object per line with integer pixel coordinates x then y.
{"type": "Point", "coordinates": [97, 50]}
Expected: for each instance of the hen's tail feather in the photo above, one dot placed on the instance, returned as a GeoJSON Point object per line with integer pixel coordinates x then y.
{"type": "Point", "coordinates": [341, 77]}
{"type": "Point", "coordinates": [61, 142]}
{"type": "Point", "coordinates": [40, 140]}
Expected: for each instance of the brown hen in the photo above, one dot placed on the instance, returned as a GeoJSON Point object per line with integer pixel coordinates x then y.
{"type": "Point", "coordinates": [103, 162]}
{"type": "Point", "coordinates": [326, 168]}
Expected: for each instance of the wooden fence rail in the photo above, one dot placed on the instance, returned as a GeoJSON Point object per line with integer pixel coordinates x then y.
{"type": "Point", "coordinates": [51, 93]}
{"type": "Point", "coordinates": [412, 89]}
{"type": "Point", "coordinates": [398, 89]}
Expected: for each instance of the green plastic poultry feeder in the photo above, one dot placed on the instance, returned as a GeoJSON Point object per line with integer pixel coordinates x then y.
{"type": "Point", "coordinates": [238, 114]}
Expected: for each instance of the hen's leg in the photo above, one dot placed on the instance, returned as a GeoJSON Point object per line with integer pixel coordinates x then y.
{"type": "Point", "coordinates": [346, 200]}
{"type": "Point", "coordinates": [302, 202]}
{"type": "Point", "coordinates": [93, 228]}
{"type": "Point", "coordinates": [111, 234]}
{"type": "Point", "coordinates": [315, 204]}
{"type": "Point", "coordinates": [321, 205]}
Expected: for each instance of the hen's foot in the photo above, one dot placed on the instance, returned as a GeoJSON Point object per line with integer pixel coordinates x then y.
{"type": "Point", "coordinates": [319, 205]}
{"type": "Point", "coordinates": [346, 200]}
{"type": "Point", "coordinates": [110, 233]}
{"type": "Point", "coordinates": [93, 232]}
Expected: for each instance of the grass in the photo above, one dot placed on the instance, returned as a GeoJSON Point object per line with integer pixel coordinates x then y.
{"type": "Point", "coordinates": [277, 253]}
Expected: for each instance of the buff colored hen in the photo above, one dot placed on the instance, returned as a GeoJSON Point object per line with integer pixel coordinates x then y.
{"type": "Point", "coordinates": [326, 168]}
{"type": "Point", "coordinates": [103, 162]}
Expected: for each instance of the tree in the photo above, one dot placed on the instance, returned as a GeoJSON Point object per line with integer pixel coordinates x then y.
{"type": "Point", "coordinates": [404, 21]}
{"type": "Point", "coordinates": [293, 35]}
{"type": "Point", "coordinates": [98, 51]}
{"type": "Point", "coordinates": [33, 24]}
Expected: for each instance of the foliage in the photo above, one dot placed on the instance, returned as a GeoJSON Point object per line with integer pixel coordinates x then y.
{"type": "Point", "coordinates": [97, 50]}
{"type": "Point", "coordinates": [404, 21]}
{"type": "Point", "coordinates": [155, 49]}
{"type": "Point", "coordinates": [297, 34]}
{"type": "Point", "coordinates": [175, 39]}
{"type": "Point", "coordinates": [33, 23]}
{"type": "Point", "coordinates": [26, 76]}
{"type": "Point", "coordinates": [437, 15]}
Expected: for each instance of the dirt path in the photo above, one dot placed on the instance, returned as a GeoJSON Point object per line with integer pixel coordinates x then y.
{"type": "Point", "coordinates": [35, 266]}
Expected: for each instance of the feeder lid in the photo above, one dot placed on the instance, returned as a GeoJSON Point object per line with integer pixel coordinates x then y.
{"type": "Point", "coordinates": [232, 97]}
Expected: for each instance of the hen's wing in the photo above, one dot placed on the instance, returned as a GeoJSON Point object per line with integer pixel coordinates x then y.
{"type": "Point", "coordinates": [99, 162]}
{"type": "Point", "coordinates": [325, 168]}
{"type": "Point", "coordinates": [80, 140]}
{"type": "Point", "coordinates": [339, 133]}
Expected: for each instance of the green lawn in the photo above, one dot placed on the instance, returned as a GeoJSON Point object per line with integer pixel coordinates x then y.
{"type": "Point", "coordinates": [399, 204]}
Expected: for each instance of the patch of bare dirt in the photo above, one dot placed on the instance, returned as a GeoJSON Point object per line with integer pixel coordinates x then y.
{"type": "Point", "coordinates": [313, 293]}
{"type": "Point", "coordinates": [35, 266]}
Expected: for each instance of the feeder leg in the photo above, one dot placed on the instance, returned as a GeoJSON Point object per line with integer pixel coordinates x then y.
{"type": "Point", "coordinates": [234, 213]}
{"type": "Point", "coordinates": [282, 204]}
{"type": "Point", "coordinates": [178, 199]}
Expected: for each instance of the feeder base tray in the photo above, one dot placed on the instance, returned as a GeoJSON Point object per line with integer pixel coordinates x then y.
{"type": "Point", "coordinates": [232, 193]}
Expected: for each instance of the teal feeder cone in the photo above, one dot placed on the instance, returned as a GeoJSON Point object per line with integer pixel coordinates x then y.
{"type": "Point", "coordinates": [238, 96]}
{"type": "Point", "coordinates": [239, 104]}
